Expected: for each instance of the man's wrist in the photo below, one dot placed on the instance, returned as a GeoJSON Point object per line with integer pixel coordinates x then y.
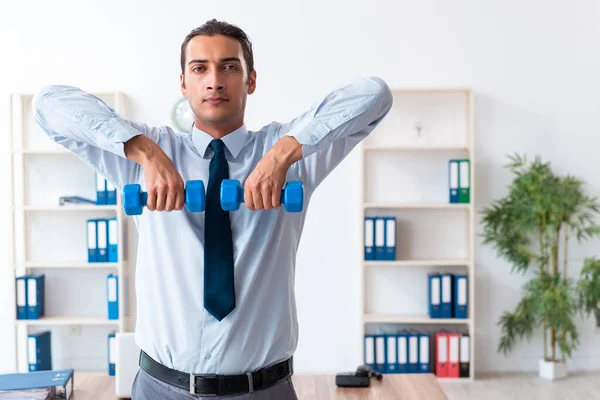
{"type": "Point", "coordinates": [287, 151]}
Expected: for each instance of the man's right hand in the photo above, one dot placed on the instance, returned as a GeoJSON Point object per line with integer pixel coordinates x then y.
{"type": "Point", "coordinates": [164, 184]}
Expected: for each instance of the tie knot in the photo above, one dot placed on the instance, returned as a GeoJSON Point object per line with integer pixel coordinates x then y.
{"type": "Point", "coordinates": [217, 145]}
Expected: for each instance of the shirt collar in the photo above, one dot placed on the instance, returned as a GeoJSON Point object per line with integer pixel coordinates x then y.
{"type": "Point", "coordinates": [234, 141]}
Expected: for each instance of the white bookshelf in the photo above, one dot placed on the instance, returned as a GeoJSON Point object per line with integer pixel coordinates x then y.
{"type": "Point", "coordinates": [404, 168]}
{"type": "Point", "coordinates": [51, 239]}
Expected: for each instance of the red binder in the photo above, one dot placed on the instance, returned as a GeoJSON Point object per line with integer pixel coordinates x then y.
{"type": "Point", "coordinates": [453, 352]}
{"type": "Point", "coordinates": [441, 354]}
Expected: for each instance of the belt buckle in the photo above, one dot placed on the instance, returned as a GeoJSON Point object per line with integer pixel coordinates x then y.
{"type": "Point", "coordinates": [193, 384]}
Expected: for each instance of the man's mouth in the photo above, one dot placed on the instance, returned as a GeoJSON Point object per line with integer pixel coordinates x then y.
{"type": "Point", "coordinates": [215, 100]}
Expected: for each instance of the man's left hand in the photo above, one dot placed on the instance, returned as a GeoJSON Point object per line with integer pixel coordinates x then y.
{"type": "Point", "coordinates": [262, 189]}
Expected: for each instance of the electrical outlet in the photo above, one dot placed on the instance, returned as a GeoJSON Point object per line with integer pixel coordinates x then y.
{"type": "Point", "coordinates": [76, 330]}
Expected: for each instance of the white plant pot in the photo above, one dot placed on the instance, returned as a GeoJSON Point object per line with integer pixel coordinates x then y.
{"type": "Point", "coordinates": [552, 370]}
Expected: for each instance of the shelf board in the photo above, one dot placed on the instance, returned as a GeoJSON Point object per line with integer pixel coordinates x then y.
{"type": "Point", "coordinates": [418, 263]}
{"type": "Point", "coordinates": [375, 147]}
{"type": "Point", "coordinates": [42, 151]}
{"type": "Point", "coordinates": [71, 264]}
{"type": "Point", "coordinates": [70, 320]}
{"type": "Point", "coordinates": [445, 206]}
{"type": "Point", "coordinates": [411, 319]}
{"type": "Point", "coordinates": [69, 208]}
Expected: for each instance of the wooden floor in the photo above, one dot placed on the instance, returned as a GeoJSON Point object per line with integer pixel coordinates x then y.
{"type": "Point", "coordinates": [525, 386]}
{"type": "Point", "coordinates": [578, 386]}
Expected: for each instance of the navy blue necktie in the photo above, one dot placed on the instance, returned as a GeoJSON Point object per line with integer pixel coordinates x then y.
{"type": "Point", "coordinates": [219, 290]}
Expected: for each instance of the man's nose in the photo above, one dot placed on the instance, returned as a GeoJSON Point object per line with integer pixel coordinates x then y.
{"type": "Point", "coordinates": [214, 81]}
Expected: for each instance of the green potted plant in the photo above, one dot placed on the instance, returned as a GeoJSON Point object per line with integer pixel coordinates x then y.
{"type": "Point", "coordinates": [531, 228]}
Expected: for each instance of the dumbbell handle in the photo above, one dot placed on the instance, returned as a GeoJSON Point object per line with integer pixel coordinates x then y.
{"type": "Point", "coordinates": [241, 195]}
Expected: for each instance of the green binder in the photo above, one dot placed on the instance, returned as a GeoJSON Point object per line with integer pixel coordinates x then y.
{"type": "Point", "coordinates": [464, 181]}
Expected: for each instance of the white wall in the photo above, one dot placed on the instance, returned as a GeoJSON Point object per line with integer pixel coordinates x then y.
{"type": "Point", "coordinates": [534, 68]}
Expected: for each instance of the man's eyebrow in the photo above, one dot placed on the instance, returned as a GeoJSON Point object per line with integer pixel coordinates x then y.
{"type": "Point", "coordinates": [226, 59]}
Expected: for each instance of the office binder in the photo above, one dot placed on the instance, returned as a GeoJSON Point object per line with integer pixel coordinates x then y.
{"type": "Point", "coordinates": [92, 241]}
{"type": "Point", "coordinates": [39, 352]}
{"type": "Point", "coordinates": [413, 353]}
{"type": "Point", "coordinates": [460, 303]}
{"type": "Point", "coordinates": [111, 194]}
{"type": "Point", "coordinates": [424, 366]}
{"type": "Point", "coordinates": [453, 353]}
{"type": "Point", "coordinates": [447, 295]}
{"type": "Point", "coordinates": [441, 355]}
{"type": "Point", "coordinates": [380, 353]}
{"type": "Point", "coordinates": [391, 361]}
{"type": "Point", "coordinates": [435, 288]}
{"type": "Point", "coordinates": [453, 181]}
{"type": "Point", "coordinates": [21, 282]}
{"type": "Point", "coordinates": [102, 240]}
{"type": "Point", "coordinates": [35, 296]}
{"type": "Point", "coordinates": [402, 353]}
{"type": "Point", "coordinates": [112, 296]}
{"type": "Point", "coordinates": [56, 384]}
{"type": "Point", "coordinates": [464, 193]}
{"type": "Point", "coordinates": [379, 238]}
{"type": "Point", "coordinates": [390, 238]}
{"type": "Point", "coordinates": [113, 240]}
{"type": "Point", "coordinates": [100, 189]}
{"type": "Point", "coordinates": [112, 353]}
{"type": "Point", "coordinates": [369, 351]}
{"type": "Point", "coordinates": [369, 238]}
{"type": "Point", "coordinates": [464, 356]}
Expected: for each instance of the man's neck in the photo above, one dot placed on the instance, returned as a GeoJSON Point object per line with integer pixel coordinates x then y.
{"type": "Point", "coordinates": [218, 132]}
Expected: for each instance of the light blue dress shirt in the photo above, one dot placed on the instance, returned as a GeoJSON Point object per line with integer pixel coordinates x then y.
{"type": "Point", "coordinates": [172, 325]}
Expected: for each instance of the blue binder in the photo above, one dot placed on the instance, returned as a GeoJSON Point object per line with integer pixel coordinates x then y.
{"type": "Point", "coordinates": [391, 360]}
{"type": "Point", "coordinates": [413, 353]}
{"type": "Point", "coordinates": [402, 348]}
{"type": "Point", "coordinates": [113, 240]}
{"type": "Point", "coordinates": [380, 353]}
{"type": "Point", "coordinates": [435, 296]}
{"type": "Point", "coordinates": [390, 238]}
{"type": "Point", "coordinates": [92, 240]}
{"type": "Point", "coordinates": [111, 194]}
{"type": "Point", "coordinates": [461, 296]}
{"type": "Point", "coordinates": [447, 295]}
{"type": "Point", "coordinates": [424, 351]}
{"type": "Point", "coordinates": [379, 238]}
{"type": "Point", "coordinates": [21, 290]}
{"type": "Point", "coordinates": [369, 238]}
{"type": "Point", "coordinates": [112, 296]}
{"type": "Point", "coordinates": [453, 181]}
{"type": "Point", "coordinates": [60, 382]}
{"type": "Point", "coordinates": [369, 351]}
{"type": "Point", "coordinates": [39, 353]}
{"type": "Point", "coordinates": [35, 296]}
{"type": "Point", "coordinates": [100, 190]}
{"type": "Point", "coordinates": [111, 352]}
{"type": "Point", "coordinates": [102, 240]}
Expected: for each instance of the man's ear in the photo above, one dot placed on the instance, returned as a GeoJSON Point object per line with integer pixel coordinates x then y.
{"type": "Point", "coordinates": [252, 82]}
{"type": "Point", "coordinates": [182, 85]}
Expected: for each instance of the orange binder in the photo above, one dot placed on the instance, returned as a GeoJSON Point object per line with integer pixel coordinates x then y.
{"type": "Point", "coordinates": [441, 355]}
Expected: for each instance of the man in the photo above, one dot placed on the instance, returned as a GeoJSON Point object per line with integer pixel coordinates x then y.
{"type": "Point", "coordinates": [215, 290]}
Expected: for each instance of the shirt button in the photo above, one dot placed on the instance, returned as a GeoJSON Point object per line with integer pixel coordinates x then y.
{"type": "Point", "coordinates": [345, 115]}
{"type": "Point", "coordinates": [208, 356]}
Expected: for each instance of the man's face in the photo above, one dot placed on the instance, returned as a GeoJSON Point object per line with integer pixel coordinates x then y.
{"type": "Point", "coordinates": [216, 82]}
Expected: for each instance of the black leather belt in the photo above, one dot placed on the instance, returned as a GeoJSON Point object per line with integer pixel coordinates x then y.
{"type": "Point", "coordinates": [217, 385]}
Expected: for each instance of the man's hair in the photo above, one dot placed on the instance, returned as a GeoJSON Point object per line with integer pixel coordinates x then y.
{"type": "Point", "coordinates": [213, 28]}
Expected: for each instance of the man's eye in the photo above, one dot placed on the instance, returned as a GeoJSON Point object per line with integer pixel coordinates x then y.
{"type": "Point", "coordinates": [231, 67]}
{"type": "Point", "coordinates": [196, 69]}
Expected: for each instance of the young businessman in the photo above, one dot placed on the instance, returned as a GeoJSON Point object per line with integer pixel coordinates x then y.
{"type": "Point", "coordinates": [215, 290]}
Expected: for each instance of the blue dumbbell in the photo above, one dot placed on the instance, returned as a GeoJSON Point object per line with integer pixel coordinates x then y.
{"type": "Point", "coordinates": [232, 195]}
{"type": "Point", "coordinates": [134, 200]}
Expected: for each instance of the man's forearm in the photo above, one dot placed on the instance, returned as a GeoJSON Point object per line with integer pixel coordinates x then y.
{"type": "Point", "coordinates": [286, 151]}
{"type": "Point", "coordinates": [140, 149]}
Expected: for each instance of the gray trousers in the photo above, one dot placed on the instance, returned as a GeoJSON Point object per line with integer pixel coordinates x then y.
{"type": "Point", "coordinates": [146, 387]}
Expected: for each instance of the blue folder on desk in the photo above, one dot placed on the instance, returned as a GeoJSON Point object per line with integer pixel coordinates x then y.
{"type": "Point", "coordinates": [39, 352]}
{"type": "Point", "coordinates": [35, 296]}
{"type": "Point", "coordinates": [59, 383]}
